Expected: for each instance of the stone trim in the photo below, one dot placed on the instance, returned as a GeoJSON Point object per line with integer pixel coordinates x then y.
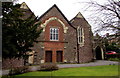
{"type": "Point", "coordinates": [54, 41]}
{"type": "Point", "coordinates": [79, 29]}
{"type": "Point", "coordinates": [51, 19]}
{"type": "Point", "coordinates": [24, 6]}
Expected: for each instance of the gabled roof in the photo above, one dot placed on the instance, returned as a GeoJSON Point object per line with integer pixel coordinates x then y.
{"type": "Point", "coordinates": [25, 7]}
{"type": "Point", "coordinates": [79, 17]}
{"type": "Point", "coordinates": [55, 6]}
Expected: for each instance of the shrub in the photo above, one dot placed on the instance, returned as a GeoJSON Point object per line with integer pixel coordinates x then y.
{"type": "Point", "coordinates": [48, 67]}
{"type": "Point", "coordinates": [113, 56]}
{"type": "Point", "coordinates": [18, 70]}
{"type": "Point", "coordinates": [114, 59]}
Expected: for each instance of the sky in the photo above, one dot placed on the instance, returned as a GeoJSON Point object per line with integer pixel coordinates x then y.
{"type": "Point", "coordinates": [69, 8]}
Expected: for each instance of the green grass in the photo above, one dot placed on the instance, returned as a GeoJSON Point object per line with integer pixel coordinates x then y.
{"type": "Point", "coordinates": [107, 70]}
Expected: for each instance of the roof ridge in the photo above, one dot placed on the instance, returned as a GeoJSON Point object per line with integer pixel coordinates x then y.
{"type": "Point", "coordinates": [60, 13]}
{"type": "Point", "coordinates": [27, 7]}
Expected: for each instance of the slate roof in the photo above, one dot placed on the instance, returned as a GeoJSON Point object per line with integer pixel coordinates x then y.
{"type": "Point", "coordinates": [79, 20]}
{"type": "Point", "coordinates": [60, 13]}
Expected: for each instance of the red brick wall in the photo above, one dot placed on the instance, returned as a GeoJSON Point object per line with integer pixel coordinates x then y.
{"type": "Point", "coordinates": [53, 24]}
{"type": "Point", "coordinates": [53, 45]}
{"type": "Point", "coordinates": [45, 36]}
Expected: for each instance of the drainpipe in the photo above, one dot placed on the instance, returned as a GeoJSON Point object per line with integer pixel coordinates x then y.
{"type": "Point", "coordinates": [77, 46]}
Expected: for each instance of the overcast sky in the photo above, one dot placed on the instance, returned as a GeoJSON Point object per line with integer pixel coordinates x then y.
{"type": "Point", "coordinates": [69, 8]}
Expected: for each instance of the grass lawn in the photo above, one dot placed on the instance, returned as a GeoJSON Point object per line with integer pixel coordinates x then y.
{"type": "Point", "coordinates": [107, 70]}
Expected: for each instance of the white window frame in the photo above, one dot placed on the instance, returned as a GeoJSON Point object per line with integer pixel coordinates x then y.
{"type": "Point", "coordinates": [80, 32]}
{"type": "Point", "coordinates": [54, 34]}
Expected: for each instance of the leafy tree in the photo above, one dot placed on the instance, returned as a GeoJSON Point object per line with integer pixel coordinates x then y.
{"type": "Point", "coordinates": [10, 14]}
{"type": "Point", "coordinates": [18, 34]}
{"type": "Point", "coordinates": [26, 35]}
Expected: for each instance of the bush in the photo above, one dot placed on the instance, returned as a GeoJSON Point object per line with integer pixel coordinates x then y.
{"type": "Point", "coordinates": [113, 56]}
{"type": "Point", "coordinates": [48, 67]}
{"type": "Point", "coordinates": [114, 59]}
{"type": "Point", "coordinates": [18, 70]}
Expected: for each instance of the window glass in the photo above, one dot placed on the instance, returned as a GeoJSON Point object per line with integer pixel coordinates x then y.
{"type": "Point", "coordinates": [80, 35]}
{"type": "Point", "coordinates": [53, 33]}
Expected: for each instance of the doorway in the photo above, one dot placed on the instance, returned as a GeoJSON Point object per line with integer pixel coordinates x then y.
{"type": "Point", "coordinates": [48, 56]}
{"type": "Point", "coordinates": [59, 56]}
{"type": "Point", "coordinates": [98, 53]}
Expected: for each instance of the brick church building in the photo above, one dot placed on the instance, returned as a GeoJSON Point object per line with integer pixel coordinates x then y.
{"type": "Point", "coordinates": [61, 40]}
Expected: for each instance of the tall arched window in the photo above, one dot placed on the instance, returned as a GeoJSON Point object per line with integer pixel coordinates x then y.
{"type": "Point", "coordinates": [80, 32]}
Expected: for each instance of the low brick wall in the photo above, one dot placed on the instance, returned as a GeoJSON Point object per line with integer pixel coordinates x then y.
{"type": "Point", "coordinates": [10, 63]}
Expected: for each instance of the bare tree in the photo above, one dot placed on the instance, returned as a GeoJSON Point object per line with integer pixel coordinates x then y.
{"type": "Point", "coordinates": [106, 16]}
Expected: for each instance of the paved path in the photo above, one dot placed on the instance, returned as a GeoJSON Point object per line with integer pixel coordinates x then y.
{"type": "Point", "coordinates": [96, 63]}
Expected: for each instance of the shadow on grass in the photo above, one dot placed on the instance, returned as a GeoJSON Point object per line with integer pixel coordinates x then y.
{"type": "Point", "coordinates": [60, 77]}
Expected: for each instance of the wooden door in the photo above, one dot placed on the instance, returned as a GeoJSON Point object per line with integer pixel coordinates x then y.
{"type": "Point", "coordinates": [59, 56]}
{"type": "Point", "coordinates": [48, 56]}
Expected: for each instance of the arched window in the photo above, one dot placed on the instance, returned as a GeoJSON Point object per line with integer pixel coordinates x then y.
{"type": "Point", "coordinates": [80, 32]}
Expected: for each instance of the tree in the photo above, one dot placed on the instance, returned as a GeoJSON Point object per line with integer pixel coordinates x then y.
{"type": "Point", "coordinates": [10, 14]}
{"type": "Point", "coordinates": [26, 35]}
{"type": "Point", "coordinates": [106, 16]}
{"type": "Point", "coordinates": [18, 34]}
